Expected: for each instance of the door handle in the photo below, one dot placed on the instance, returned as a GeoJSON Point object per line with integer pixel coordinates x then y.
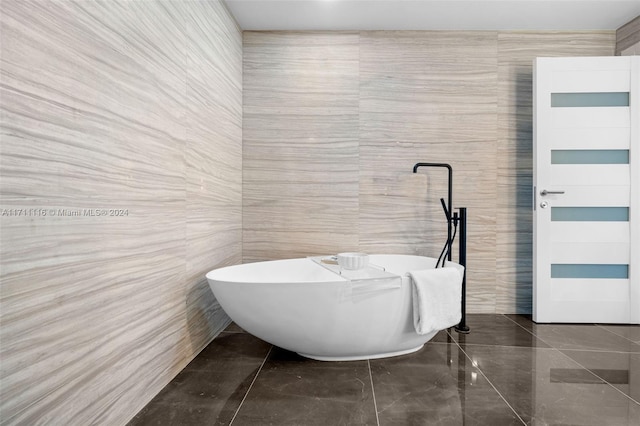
{"type": "Point", "coordinates": [545, 192]}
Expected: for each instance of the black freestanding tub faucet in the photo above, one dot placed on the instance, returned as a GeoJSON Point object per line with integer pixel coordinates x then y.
{"type": "Point", "coordinates": [453, 220]}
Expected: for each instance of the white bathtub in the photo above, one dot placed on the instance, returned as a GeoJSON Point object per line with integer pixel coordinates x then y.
{"type": "Point", "coordinates": [298, 305]}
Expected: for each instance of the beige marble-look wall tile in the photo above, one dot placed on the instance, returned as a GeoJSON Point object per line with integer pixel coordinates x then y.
{"type": "Point", "coordinates": [93, 116]}
{"type": "Point", "coordinates": [84, 131]}
{"type": "Point", "coordinates": [457, 97]}
{"type": "Point", "coordinates": [300, 144]}
{"type": "Point", "coordinates": [213, 160]}
{"type": "Point", "coordinates": [516, 52]}
{"type": "Point", "coordinates": [628, 37]}
{"type": "Point", "coordinates": [429, 97]}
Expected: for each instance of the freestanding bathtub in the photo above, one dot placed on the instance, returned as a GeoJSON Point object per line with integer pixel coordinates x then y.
{"type": "Point", "coordinates": [299, 305]}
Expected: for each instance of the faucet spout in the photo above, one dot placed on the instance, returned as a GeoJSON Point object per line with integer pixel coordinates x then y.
{"type": "Point", "coordinates": [448, 208]}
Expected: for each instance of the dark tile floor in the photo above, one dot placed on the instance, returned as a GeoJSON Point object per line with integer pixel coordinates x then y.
{"type": "Point", "coordinates": [508, 371]}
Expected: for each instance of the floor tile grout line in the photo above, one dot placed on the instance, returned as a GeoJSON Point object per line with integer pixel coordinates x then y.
{"type": "Point", "coordinates": [492, 385]}
{"type": "Point", "coordinates": [594, 373]}
{"type": "Point", "coordinates": [532, 333]}
{"type": "Point", "coordinates": [506, 346]}
{"type": "Point", "coordinates": [619, 335]}
{"type": "Point", "coordinates": [510, 346]}
{"type": "Point", "coordinates": [373, 392]}
{"type": "Point", "coordinates": [250, 386]}
{"type": "Point", "coordinates": [596, 350]}
{"type": "Point", "coordinates": [537, 347]}
{"type": "Point", "coordinates": [573, 360]}
{"type": "Point", "coordinates": [522, 327]}
{"type": "Point", "coordinates": [571, 349]}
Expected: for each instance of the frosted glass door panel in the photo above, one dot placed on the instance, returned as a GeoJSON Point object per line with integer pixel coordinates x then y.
{"type": "Point", "coordinates": [573, 270]}
{"type": "Point", "coordinates": [590, 156]}
{"type": "Point", "coordinates": [589, 214]}
{"type": "Point", "coordinates": [602, 99]}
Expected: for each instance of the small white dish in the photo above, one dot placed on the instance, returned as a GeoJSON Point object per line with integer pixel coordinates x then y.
{"type": "Point", "coordinates": [353, 261]}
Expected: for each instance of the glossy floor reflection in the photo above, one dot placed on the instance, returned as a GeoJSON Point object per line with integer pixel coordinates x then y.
{"type": "Point", "coordinates": [508, 371]}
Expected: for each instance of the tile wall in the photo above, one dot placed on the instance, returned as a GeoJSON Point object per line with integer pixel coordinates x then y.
{"type": "Point", "coordinates": [628, 38]}
{"type": "Point", "coordinates": [334, 122]}
{"type": "Point", "coordinates": [121, 187]}
{"type": "Point", "coordinates": [300, 144]}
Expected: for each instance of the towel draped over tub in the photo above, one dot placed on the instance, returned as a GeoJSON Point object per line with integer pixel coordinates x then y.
{"type": "Point", "coordinates": [437, 295]}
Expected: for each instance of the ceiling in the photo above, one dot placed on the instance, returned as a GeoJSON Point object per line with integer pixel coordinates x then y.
{"type": "Point", "coordinates": [433, 14]}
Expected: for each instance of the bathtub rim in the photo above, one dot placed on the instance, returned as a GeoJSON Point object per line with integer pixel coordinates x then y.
{"type": "Point", "coordinates": [331, 276]}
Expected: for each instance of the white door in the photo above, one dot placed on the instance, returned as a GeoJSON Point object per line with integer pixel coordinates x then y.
{"type": "Point", "coordinates": [586, 190]}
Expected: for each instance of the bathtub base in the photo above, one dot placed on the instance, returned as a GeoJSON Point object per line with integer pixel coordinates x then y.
{"type": "Point", "coordinates": [362, 357]}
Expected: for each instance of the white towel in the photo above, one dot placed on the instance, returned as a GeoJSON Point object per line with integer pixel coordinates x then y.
{"type": "Point", "coordinates": [436, 298]}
